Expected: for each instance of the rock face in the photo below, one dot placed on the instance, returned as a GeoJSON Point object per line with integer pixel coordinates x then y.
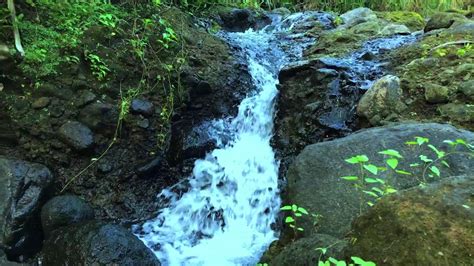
{"type": "Point", "coordinates": [435, 93]}
{"type": "Point", "coordinates": [314, 178]}
{"type": "Point", "coordinates": [99, 116]}
{"type": "Point", "coordinates": [24, 187]}
{"type": "Point", "coordinates": [77, 135]}
{"type": "Point", "coordinates": [382, 101]}
{"type": "Point", "coordinates": [467, 88]}
{"type": "Point", "coordinates": [357, 16]}
{"type": "Point", "coordinates": [428, 226]}
{"type": "Point", "coordinates": [458, 112]}
{"type": "Point", "coordinates": [96, 243]}
{"type": "Point", "coordinates": [64, 210]}
{"type": "Point", "coordinates": [143, 107]}
{"type": "Point", "coordinates": [394, 29]}
{"type": "Point", "coordinates": [242, 19]}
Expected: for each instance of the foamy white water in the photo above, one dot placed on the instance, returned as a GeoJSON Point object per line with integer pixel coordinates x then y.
{"type": "Point", "coordinates": [225, 216]}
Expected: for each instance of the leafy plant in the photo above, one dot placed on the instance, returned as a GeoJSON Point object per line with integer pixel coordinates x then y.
{"type": "Point", "coordinates": [98, 67]}
{"type": "Point", "coordinates": [355, 260]}
{"type": "Point", "coordinates": [295, 213]}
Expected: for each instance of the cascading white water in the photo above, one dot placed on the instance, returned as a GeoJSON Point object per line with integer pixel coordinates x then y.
{"type": "Point", "coordinates": [225, 216]}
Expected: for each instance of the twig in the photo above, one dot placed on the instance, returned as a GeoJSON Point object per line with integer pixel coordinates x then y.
{"type": "Point", "coordinates": [461, 42]}
{"type": "Point", "coordinates": [16, 31]}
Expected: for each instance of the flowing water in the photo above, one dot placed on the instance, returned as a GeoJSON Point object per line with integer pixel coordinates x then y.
{"type": "Point", "coordinates": [227, 213]}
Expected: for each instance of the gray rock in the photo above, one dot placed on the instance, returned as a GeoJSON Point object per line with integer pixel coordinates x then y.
{"type": "Point", "coordinates": [96, 243]}
{"type": "Point", "coordinates": [357, 16]}
{"type": "Point", "coordinates": [467, 88]}
{"type": "Point", "coordinates": [458, 112]}
{"type": "Point", "coordinates": [63, 211]}
{"type": "Point", "coordinates": [382, 100]}
{"type": "Point", "coordinates": [239, 20]}
{"type": "Point", "coordinates": [77, 135]}
{"type": "Point", "coordinates": [24, 187]}
{"type": "Point", "coordinates": [462, 28]}
{"type": "Point", "coordinates": [41, 103]}
{"type": "Point", "coordinates": [99, 116]}
{"type": "Point", "coordinates": [420, 226]}
{"type": "Point", "coordinates": [303, 251]}
{"type": "Point", "coordinates": [4, 52]}
{"type": "Point", "coordinates": [435, 93]}
{"type": "Point", "coordinates": [465, 70]}
{"type": "Point", "coordinates": [442, 20]}
{"type": "Point", "coordinates": [393, 29]}
{"type": "Point", "coordinates": [5, 262]}
{"type": "Point", "coordinates": [85, 98]}
{"type": "Point", "coordinates": [314, 178]}
{"type": "Point", "coordinates": [143, 107]}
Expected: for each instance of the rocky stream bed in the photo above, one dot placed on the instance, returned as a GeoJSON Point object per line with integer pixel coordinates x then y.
{"type": "Point", "coordinates": [273, 104]}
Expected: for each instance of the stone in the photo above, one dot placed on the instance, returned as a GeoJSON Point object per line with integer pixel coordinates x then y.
{"type": "Point", "coordinates": [357, 16]}
{"type": "Point", "coordinates": [382, 100]}
{"type": "Point", "coordinates": [141, 106]}
{"type": "Point", "coordinates": [76, 135]}
{"type": "Point", "coordinates": [303, 251]}
{"type": "Point", "coordinates": [41, 103]}
{"type": "Point", "coordinates": [143, 123]}
{"type": "Point", "coordinates": [442, 20]}
{"type": "Point", "coordinates": [463, 28]}
{"type": "Point", "coordinates": [85, 98]}
{"type": "Point", "coordinates": [458, 112]}
{"type": "Point", "coordinates": [435, 93]}
{"type": "Point", "coordinates": [394, 29]}
{"type": "Point", "coordinates": [467, 88]}
{"type": "Point", "coordinates": [420, 226]}
{"type": "Point", "coordinates": [239, 20]}
{"type": "Point", "coordinates": [96, 243]}
{"type": "Point", "coordinates": [4, 52]}
{"type": "Point", "coordinates": [24, 187]}
{"type": "Point", "coordinates": [314, 178]}
{"type": "Point", "coordinates": [412, 20]}
{"type": "Point", "coordinates": [465, 71]}
{"type": "Point", "coordinates": [63, 211]}
{"type": "Point", "coordinates": [5, 262]}
{"type": "Point", "coordinates": [99, 116]}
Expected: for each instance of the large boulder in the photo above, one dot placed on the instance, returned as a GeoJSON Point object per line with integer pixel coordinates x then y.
{"type": "Point", "coordinates": [421, 226]}
{"type": "Point", "coordinates": [442, 20]}
{"type": "Point", "coordinates": [24, 187]}
{"type": "Point", "coordinates": [383, 101]}
{"type": "Point", "coordinates": [314, 179]}
{"type": "Point", "coordinates": [357, 16]}
{"type": "Point", "coordinates": [242, 19]}
{"type": "Point", "coordinates": [64, 210]}
{"type": "Point", "coordinates": [96, 243]}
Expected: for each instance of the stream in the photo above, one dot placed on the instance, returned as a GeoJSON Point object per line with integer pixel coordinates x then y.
{"type": "Point", "coordinates": [226, 212]}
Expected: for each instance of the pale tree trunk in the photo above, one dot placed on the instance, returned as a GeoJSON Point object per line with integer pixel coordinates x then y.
{"type": "Point", "coordinates": [16, 31]}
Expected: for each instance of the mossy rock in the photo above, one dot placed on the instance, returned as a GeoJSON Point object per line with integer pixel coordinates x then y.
{"type": "Point", "coordinates": [420, 226]}
{"type": "Point", "coordinates": [442, 20]}
{"type": "Point", "coordinates": [412, 20]}
{"type": "Point", "coordinates": [338, 42]}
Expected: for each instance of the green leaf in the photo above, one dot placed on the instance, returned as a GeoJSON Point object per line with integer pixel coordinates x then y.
{"type": "Point", "coordinates": [391, 152]}
{"type": "Point", "coordinates": [445, 164]}
{"type": "Point", "coordinates": [421, 140]}
{"type": "Point", "coordinates": [289, 219]}
{"type": "Point", "coordinates": [350, 178]}
{"type": "Point", "coordinates": [323, 250]}
{"type": "Point", "coordinates": [461, 141]}
{"type": "Point", "coordinates": [414, 164]}
{"type": "Point", "coordinates": [300, 229]}
{"type": "Point", "coordinates": [435, 170]}
{"type": "Point", "coordinates": [362, 262]}
{"type": "Point", "coordinates": [324, 263]}
{"type": "Point", "coordinates": [390, 190]}
{"type": "Point", "coordinates": [371, 168]}
{"type": "Point", "coordinates": [294, 207]}
{"type": "Point", "coordinates": [411, 143]}
{"type": "Point", "coordinates": [371, 180]}
{"type": "Point", "coordinates": [425, 159]}
{"type": "Point", "coordinates": [357, 159]}
{"type": "Point", "coordinates": [466, 206]}
{"type": "Point", "coordinates": [370, 203]}
{"type": "Point", "coordinates": [450, 142]}
{"type": "Point", "coordinates": [297, 214]}
{"type": "Point", "coordinates": [403, 172]}
{"type": "Point", "coordinates": [373, 194]}
{"type": "Point", "coordinates": [392, 162]}
{"type": "Point", "coordinates": [303, 210]}
{"type": "Point", "coordinates": [378, 190]}
{"type": "Point", "coordinates": [439, 153]}
{"type": "Point", "coordinates": [286, 208]}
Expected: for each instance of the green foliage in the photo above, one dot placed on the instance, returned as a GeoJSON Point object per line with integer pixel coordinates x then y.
{"type": "Point", "coordinates": [98, 67]}
{"type": "Point", "coordinates": [295, 213]}
{"type": "Point", "coordinates": [368, 183]}
{"type": "Point", "coordinates": [356, 261]}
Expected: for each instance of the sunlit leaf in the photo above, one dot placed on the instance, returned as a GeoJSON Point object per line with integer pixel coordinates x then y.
{"type": "Point", "coordinates": [350, 178]}
{"type": "Point", "coordinates": [435, 170]}
{"type": "Point", "coordinates": [303, 210]}
{"type": "Point", "coordinates": [392, 162]}
{"type": "Point", "coordinates": [371, 168]}
{"type": "Point", "coordinates": [286, 208]}
{"type": "Point", "coordinates": [371, 193]}
{"type": "Point", "coordinates": [425, 159]}
{"type": "Point", "coordinates": [403, 172]}
{"type": "Point", "coordinates": [391, 152]}
{"type": "Point", "coordinates": [289, 219]}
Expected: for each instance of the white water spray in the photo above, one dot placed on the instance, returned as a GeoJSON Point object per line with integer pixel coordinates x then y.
{"type": "Point", "coordinates": [225, 217]}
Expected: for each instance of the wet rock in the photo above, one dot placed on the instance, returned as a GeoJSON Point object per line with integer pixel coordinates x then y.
{"type": "Point", "coordinates": [41, 103]}
{"type": "Point", "coordinates": [63, 211]}
{"type": "Point", "coordinates": [141, 106]}
{"type": "Point", "coordinates": [4, 52]}
{"type": "Point", "coordinates": [442, 20]}
{"type": "Point", "coordinates": [96, 243]}
{"type": "Point", "coordinates": [383, 100]}
{"type": "Point", "coordinates": [419, 226]}
{"type": "Point", "coordinates": [302, 251]}
{"type": "Point", "coordinates": [85, 98]}
{"type": "Point", "coordinates": [5, 262]}
{"type": "Point", "coordinates": [24, 187]}
{"type": "Point", "coordinates": [99, 116]}
{"type": "Point", "coordinates": [371, 27]}
{"type": "Point", "coordinates": [464, 28]}
{"type": "Point", "coordinates": [282, 11]}
{"type": "Point", "coordinates": [393, 29]}
{"type": "Point", "coordinates": [242, 19]}
{"type": "Point", "coordinates": [52, 90]}
{"type": "Point", "coordinates": [143, 123]}
{"type": "Point", "coordinates": [150, 167]}
{"type": "Point", "coordinates": [357, 16]}
{"type": "Point", "coordinates": [458, 112]}
{"type": "Point", "coordinates": [435, 93]}
{"type": "Point", "coordinates": [467, 88]}
{"type": "Point", "coordinates": [105, 166]}
{"type": "Point", "coordinates": [77, 135]}
{"type": "Point", "coordinates": [314, 178]}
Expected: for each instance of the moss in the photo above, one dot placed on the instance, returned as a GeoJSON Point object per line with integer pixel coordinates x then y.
{"type": "Point", "coordinates": [412, 20]}
{"type": "Point", "coordinates": [338, 42]}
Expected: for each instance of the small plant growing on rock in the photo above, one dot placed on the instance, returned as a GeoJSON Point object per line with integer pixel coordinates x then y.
{"type": "Point", "coordinates": [295, 212]}
{"type": "Point", "coordinates": [98, 67]}
{"type": "Point", "coordinates": [355, 260]}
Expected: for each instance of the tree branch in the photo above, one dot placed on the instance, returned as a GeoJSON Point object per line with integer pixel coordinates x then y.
{"type": "Point", "coordinates": [16, 31]}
